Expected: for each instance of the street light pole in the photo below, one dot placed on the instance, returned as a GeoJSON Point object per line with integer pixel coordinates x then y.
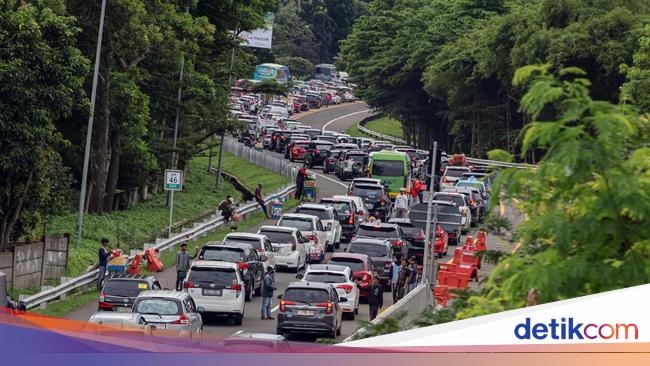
{"type": "Point", "coordinates": [89, 132]}
{"type": "Point", "coordinates": [232, 61]}
{"type": "Point", "coordinates": [427, 250]}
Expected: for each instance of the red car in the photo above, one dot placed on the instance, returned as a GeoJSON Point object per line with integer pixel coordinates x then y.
{"type": "Point", "coordinates": [361, 267]}
{"type": "Point", "coordinates": [299, 150]}
{"type": "Point", "coordinates": [442, 242]}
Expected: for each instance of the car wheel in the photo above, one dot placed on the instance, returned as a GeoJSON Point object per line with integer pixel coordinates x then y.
{"type": "Point", "coordinates": [238, 319]}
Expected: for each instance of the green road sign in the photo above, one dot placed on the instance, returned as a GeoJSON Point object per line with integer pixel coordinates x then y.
{"type": "Point", "coordinates": [173, 180]}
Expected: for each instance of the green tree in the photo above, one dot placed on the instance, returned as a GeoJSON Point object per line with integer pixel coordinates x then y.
{"type": "Point", "coordinates": [41, 79]}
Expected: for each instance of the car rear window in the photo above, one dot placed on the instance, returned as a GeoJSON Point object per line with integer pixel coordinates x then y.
{"type": "Point", "coordinates": [308, 295]}
{"type": "Point", "coordinates": [321, 214]}
{"type": "Point", "coordinates": [222, 254]}
{"type": "Point", "coordinates": [208, 275]}
{"type": "Point", "coordinates": [238, 239]}
{"type": "Point", "coordinates": [279, 237]}
{"type": "Point", "coordinates": [357, 157]}
{"type": "Point", "coordinates": [323, 147]}
{"type": "Point", "coordinates": [456, 173]}
{"type": "Point", "coordinates": [388, 168]}
{"type": "Point", "coordinates": [128, 288]}
{"type": "Point", "coordinates": [354, 264]}
{"type": "Point", "coordinates": [325, 277]}
{"type": "Point", "coordinates": [367, 191]}
{"type": "Point", "coordinates": [300, 224]}
{"type": "Point", "coordinates": [371, 250]}
{"type": "Point", "coordinates": [157, 306]}
{"type": "Point", "coordinates": [451, 198]}
{"type": "Point", "coordinates": [383, 232]}
{"type": "Point", "coordinates": [341, 207]}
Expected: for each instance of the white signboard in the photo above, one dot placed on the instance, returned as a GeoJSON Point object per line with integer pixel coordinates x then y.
{"type": "Point", "coordinates": [261, 37]}
{"type": "Point", "coordinates": [173, 180]}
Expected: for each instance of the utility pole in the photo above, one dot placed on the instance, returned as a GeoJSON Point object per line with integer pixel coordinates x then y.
{"type": "Point", "coordinates": [89, 132]}
{"type": "Point", "coordinates": [232, 61]}
{"type": "Point", "coordinates": [427, 264]}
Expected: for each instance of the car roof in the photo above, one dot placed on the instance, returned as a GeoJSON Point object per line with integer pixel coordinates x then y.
{"type": "Point", "coordinates": [258, 336]}
{"type": "Point", "coordinates": [364, 240]}
{"type": "Point", "coordinates": [298, 216]}
{"type": "Point", "coordinates": [128, 276]}
{"type": "Point", "coordinates": [230, 245]}
{"type": "Point", "coordinates": [164, 293]}
{"type": "Point", "coordinates": [279, 228]}
{"type": "Point", "coordinates": [113, 315]}
{"type": "Point", "coordinates": [214, 264]}
{"type": "Point", "coordinates": [396, 220]}
{"type": "Point", "coordinates": [245, 235]}
{"type": "Point", "coordinates": [368, 186]}
{"type": "Point", "coordinates": [315, 206]}
{"type": "Point", "coordinates": [308, 284]}
{"type": "Point", "coordinates": [327, 268]}
{"type": "Point", "coordinates": [363, 257]}
{"type": "Point", "coordinates": [379, 224]}
{"type": "Point", "coordinates": [443, 203]}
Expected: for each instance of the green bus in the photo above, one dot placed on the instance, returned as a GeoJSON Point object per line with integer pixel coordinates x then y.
{"type": "Point", "coordinates": [393, 168]}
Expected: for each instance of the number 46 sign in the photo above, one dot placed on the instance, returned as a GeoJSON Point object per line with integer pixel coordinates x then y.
{"type": "Point", "coordinates": [173, 180]}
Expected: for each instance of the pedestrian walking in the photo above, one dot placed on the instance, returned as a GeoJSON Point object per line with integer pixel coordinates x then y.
{"type": "Point", "coordinates": [260, 199]}
{"type": "Point", "coordinates": [268, 285]}
{"type": "Point", "coordinates": [394, 276]}
{"type": "Point", "coordinates": [103, 255]}
{"type": "Point", "coordinates": [401, 204]}
{"type": "Point", "coordinates": [300, 181]}
{"type": "Point", "coordinates": [402, 279]}
{"type": "Point", "coordinates": [183, 265]}
{"type": "Point", "coordinates": [375, 297]}
{"type": "Point", "coordinates": [227, 208]}
{"type": "Point", "coordinates": [413, 275]}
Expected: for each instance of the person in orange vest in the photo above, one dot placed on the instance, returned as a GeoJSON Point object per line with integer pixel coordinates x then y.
{"type": "Point", "coordinates": [417, 189]}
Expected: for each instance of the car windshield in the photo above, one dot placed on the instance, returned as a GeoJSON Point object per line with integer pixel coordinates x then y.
{"type": "Point", "coordinates": [222, 254]}
{"type": "Point", "coordinates": [342, 208]}
{"type": "Point", "coordinates": [357, 157]}
{"type": "Point", "coordinates": [221, 276]}
{"type": "Point", "coordinates": [300, 224]}
{"type": "Point", "coordinates": [280, 237]}
{"type": "Point", "coordinates": [383, 232]}
{"type": "Point", "coordinates": [304, 145]}
{"type": "Point", "coordinates": [456, 173]}
{"type": "Point", "coordinates": [387, 168]}
{"type": "Point", "coordinates": [354, 264]}
{"type": "Point", "coordinates": [157, 306]}
{"type": "Point", "coordinates": [325, 277]}
{"type": "Point", "coordinates": [126, 288]}
{"type": "Point", "coordinates": [458, 200]}
{"type": "Point", "coordinates": [372, 193]}
{"type": "Point", "coordinates": [256, 243]}
{"type": "Point", "coordinates": [323, 147]}
{"type": "Point", "coordinates": [321, 214]}
{"type": "Point", "coordinates": [335, 154]}
{"type": "Point", "coordinates": [473, 185]}
{"type": "Point", "coordinates": [371, 250]}
{"type": "Point", "coordinates": [308, 295]}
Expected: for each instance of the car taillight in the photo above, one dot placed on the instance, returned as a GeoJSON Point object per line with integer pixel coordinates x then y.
{"type": "Point", "coordinates": [242, 265]}
{"type": "Point", "coordinates": [283, 303]}
{"type": "Point", "coordinates": [327, 305]}
{"type": "Point", "coordinates": [387, 264]}
{"type": "Point", "coordinates": [346, 287]}
{"type": "Point", "coordinates": [189, 285]}
{"type": "Point", "coordinates": [313, 237]}
{"type": "Point", "coordinates": [234, 286]}
{"type": "Point", "coordinates": [396, 243]}
{"type": "Point", "coordinates": [351, 220]}
{"type": "Point", "coordinates": [420, 236]}
{"type": "Point", "coordinates": [471, 202]}
{"type": "Point", "coordinates": [445, 180]}
{"type": "Point", "coordinates": [382, 200]}
{"type": "Point", "coordinates": [181, 320]}
{"type": "Point", "coordinates": [102, 297]}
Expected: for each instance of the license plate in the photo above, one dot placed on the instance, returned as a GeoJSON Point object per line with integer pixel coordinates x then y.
{"type": "Point", "coordinates": [159, 325]}
{"type": "Point", "coordinates": [209, 292]}
{"type": "Point", "coordinates": [122, 309]}
{"type": "Point", "coordinates": [305, 312]}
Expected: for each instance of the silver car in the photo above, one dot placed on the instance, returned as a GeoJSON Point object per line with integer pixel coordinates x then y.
{"type": "Point", "coordinates": [101, 322]}
{"type": "Point", "coordinates": [169, 311]}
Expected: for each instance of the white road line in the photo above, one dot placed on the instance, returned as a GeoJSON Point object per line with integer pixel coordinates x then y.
{"type": "Point", "coordinates": [326, 177]}
{"type": "Point", "coordinates": [344, 116]}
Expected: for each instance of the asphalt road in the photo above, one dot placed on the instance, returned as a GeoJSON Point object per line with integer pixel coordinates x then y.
{"type": "Point", "coordinates": [337, 118]}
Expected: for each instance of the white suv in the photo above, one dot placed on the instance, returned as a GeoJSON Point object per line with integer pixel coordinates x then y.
{"type": "Point", "coordinates": [217, 287]}
{"type": "Point", "coordinates": [330, 220]}
{"type": "Point", "coordinates": [341, 278]}
{"type": "Point", "coordinates": [311, 228]}
{"type": "Point", "coordinates": [261, 243]}
{"type": "Point", "coordinates": [288, 245]}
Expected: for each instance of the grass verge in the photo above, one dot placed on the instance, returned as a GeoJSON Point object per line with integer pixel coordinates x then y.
{"type": "Point", "coordinates": [384, 125]}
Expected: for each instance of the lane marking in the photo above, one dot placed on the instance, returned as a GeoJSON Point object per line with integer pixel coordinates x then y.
{"type": "Point", "coordinates": [332, 107]}
{"type": "Point", "coordinates": [341, 117]}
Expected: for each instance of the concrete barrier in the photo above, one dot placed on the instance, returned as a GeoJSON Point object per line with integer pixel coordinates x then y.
{"type": "Point", "coordinates": [410, 305]}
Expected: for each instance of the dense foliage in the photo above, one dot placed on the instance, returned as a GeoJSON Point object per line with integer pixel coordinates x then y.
{"type": "Point", "coordinates": [45, 78]}
{"type": "Point", "coordinates": [445, 67]}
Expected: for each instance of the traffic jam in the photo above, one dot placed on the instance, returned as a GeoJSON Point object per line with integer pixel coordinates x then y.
{"type": "Point", "coordinates": [343, 251]}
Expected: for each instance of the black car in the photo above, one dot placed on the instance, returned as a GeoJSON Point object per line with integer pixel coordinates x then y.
{"type": "Point", "coordinates": [317, 152]}
{"type": "Point", "coordinates": [414, 235]}
{"type": "Point", "coordinates": [314, 100]}
{"type": "Point", "coordinates": [376, 199]}
{"type": "Point", "coordinates": [251, 264]}
{"type": "Point", "coordinates": [310, 307]}
{"type": "Point", "coordinates": [389, 232]}
{"type": "Point", "coordinates": [346, 211]}
{"type": "Point", "coordinates": [329, 166]}
{"type": "Point", "coordinates": [380, 253]}
{"type": "Point", "coordinates": [119, 291]}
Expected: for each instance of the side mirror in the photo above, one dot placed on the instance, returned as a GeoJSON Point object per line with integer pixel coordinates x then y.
{"type": "Point", "coordinates": [200, 310]}
{"type": "Point", "coordinates": [299, 276]}
{"type": "Point", "coordinates": [329, 227]}
{"type": "Point", "coordinates": [343, 299]}
{"type": "Point", "coordinates": [280, 297]}
{"type": "Point", "coordinates": [263, 258]}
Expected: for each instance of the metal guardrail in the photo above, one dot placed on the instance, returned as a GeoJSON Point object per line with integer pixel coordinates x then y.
{"type": "Point", "coordinates": [380, 135]}
{"type": "Point", "coordinates": [89, 277]}
{"type": "Point", "coordinates": [261, 158]}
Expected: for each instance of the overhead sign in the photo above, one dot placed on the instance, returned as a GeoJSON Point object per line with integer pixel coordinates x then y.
{"type": "Point", "coordinates": [261, 37]}
{"type": "Point", "coordinates": [173, 180]}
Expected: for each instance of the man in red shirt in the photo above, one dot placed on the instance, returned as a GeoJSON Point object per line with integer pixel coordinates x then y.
{"type": "Point", "coordinates": [300, 181]}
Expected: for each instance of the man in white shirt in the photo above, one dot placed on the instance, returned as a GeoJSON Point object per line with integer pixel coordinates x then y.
{"type": "Point", "coordinates": [401, 204]}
